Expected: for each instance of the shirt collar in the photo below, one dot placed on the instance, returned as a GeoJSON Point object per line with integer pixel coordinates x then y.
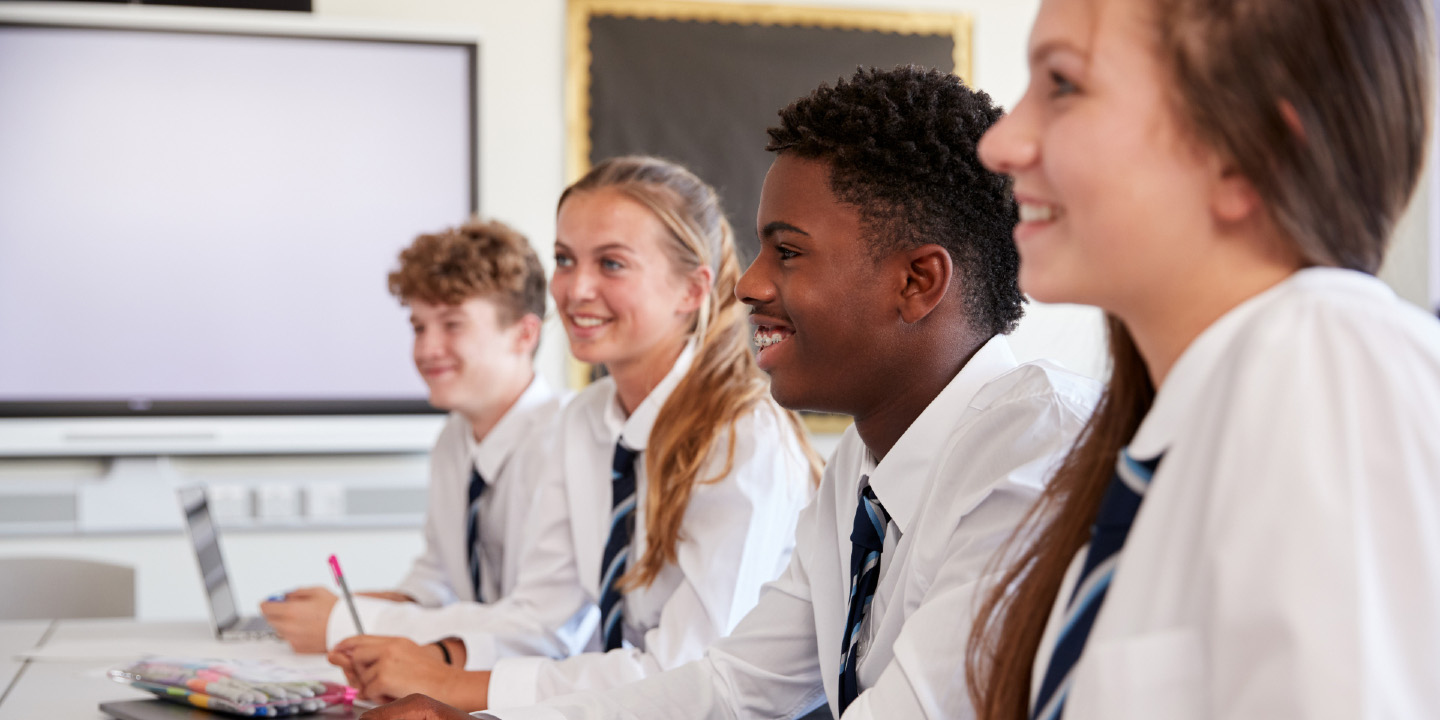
{"type": "Point", "coordinates": [900, 479]}
{"type": "Point", "coordinates": [489, 454]}
{"type": "Point", "coordinates": [1191, 375]}
{"type": "Point", "coordinates": [634, 431]}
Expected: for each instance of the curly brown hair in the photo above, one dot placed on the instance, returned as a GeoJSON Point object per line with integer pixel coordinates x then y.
{"type": "Point", "coordinates": [481, 258]}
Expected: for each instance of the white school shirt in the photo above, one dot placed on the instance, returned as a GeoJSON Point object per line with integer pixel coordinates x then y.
{"type": "Point", "coordinates": [955, 485]}
{"type": "Point", "coordinates": [1285, 561]}
{"type": "Point", "coordinates": [737, 535]}
{"type": "Point", "coordinates": [510, 458]}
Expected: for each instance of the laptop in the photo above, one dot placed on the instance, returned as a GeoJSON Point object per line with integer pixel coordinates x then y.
{"type": "Point", "coordinates": [228, 624]}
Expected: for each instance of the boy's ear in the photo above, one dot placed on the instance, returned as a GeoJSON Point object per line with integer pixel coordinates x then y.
{"type": "Point", "coordinates": [928, 269]}
{"type": "Point", "coordinates": [527, 333]}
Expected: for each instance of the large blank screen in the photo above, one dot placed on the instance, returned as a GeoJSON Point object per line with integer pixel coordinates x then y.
{"type": "Point", "coordinates": [208, 217]}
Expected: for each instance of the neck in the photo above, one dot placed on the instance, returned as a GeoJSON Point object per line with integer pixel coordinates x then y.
{"type": "Point", "coordinates": [483, 420]}
{"type": "Point", "coordinates": [912, 390]}
{"type": "Point", "coordinates": [1166, 323]}
{"type": "Point", "coordinates": [635, 380]}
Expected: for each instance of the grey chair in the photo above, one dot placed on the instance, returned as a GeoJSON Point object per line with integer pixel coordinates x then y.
{"type": "Point", "coordinates": [36, 588]}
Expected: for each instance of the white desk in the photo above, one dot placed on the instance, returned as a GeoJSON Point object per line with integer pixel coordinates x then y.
{"type": "Point", "coordinates": [67, 681]}
{"type": "Point", "coordinates": [16, 637]}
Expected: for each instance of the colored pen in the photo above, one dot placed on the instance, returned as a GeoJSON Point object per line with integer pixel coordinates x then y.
{"type": "Point", "coordinates": [349, 599]}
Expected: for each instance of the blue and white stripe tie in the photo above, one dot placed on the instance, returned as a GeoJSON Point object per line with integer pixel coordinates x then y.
{"type": "Point", "coordinates": [867, 540]}
{"type": "Point", "coordinates": [617, 546]}
{"type": "Point", "coordinates": [472, 530]}
{"type": "Point", "coordinates": [1107, 536]}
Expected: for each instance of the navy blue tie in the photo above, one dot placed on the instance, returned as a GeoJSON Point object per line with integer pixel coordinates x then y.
{"type": "Point", "coordinates": [617, 546]}
{"type": "Point", "coordinates": [472, 529]}
{"type": "Point", "coordinates": [1107, 536]}
{"type": "Point", "coordinates": [867, 540]}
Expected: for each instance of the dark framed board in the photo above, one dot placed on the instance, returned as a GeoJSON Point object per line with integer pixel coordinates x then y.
{"type": "Point", "coordinates": [699, 83]}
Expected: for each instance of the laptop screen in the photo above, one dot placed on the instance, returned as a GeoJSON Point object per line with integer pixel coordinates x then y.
{"type": "Point", "coordinates": [207, 551]}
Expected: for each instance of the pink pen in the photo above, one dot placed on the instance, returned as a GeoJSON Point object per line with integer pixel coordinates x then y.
{"type": "Point", "coordinates": [349, 599]}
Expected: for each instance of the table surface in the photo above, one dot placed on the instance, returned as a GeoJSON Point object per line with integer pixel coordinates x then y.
{"type": "Point", "coordinates": [68, 681]}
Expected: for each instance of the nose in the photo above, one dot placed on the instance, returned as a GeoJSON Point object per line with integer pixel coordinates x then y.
{"type": "Point", "coordinates": [755, 287]}
{"type": "Point", "coordinates": [427, 344]}
{"type": "Point", "coordinates": [1011, 144]}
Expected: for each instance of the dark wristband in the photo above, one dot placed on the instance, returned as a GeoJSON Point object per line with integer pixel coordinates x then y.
{"type": "Point", "coordinates": [444, 651]}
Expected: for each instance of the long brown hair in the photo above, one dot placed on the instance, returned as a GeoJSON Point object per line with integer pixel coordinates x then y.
{"type": "Point", "coordinates": [1324, 107]}
{"type": "Point", "coordinates": [723, 384]}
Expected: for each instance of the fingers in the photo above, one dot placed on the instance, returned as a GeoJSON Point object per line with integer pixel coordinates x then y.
{"type": "Point", "coordinates": [415, 707]}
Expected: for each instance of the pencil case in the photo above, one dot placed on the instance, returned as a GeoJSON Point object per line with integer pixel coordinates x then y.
{"type": "Point", "coordinates": [243, 688]}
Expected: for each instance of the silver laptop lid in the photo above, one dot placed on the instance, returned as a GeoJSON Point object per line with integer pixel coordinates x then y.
{"type": "Point", "coordinates": [206, 540]}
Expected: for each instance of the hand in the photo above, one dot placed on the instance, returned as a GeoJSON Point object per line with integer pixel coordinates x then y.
{"type": "Point", "coordinates": [301, 618]}
{"type": "Point", "coordinates": [385, 668]}
{"type": "Point", "coordinates": [390, 595]}
{"type": "Point", "coordinates": [415, 707]}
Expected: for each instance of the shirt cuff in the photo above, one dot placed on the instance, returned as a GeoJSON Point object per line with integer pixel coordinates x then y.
{"type": "Point", "coordinates": [529, 713]}
{"type": "Point", "coordinates": [341, 626]}
{"type": "Point", "coordinates": [480, 651]}
{"type": "Point", "coordinates": [514, 683]}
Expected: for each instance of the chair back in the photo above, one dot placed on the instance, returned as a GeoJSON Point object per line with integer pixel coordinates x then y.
{"type": "Point", "coordinates": [38, 588]}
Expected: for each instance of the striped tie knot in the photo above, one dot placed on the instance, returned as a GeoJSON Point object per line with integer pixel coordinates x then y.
{"type": "Point", "coordinates": [1107, 536]}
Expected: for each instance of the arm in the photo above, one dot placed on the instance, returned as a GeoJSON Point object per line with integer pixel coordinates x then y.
{"type": "Point", "coordinates": [766, 668]}
{"type": "Point", "coordinates": [1321, 531]}
{"type": "Point", "coordinates": [548, 612]}
{"type": "Point", "coordinates": [427, 582]}
{"type": "Point", "coordinates": [737, 533]}
{"type": "Point", "coordinates": [986, 480]}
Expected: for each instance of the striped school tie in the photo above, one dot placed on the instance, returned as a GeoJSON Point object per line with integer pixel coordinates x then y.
{"type": "Point", "coordinates": [867, 539]}
{"type": "Point", "coordinates": [472, 530]}
{"type": "Point", "coordinates": [1107, 536]}
{"type": "Point", "coordinates": [617, 546]}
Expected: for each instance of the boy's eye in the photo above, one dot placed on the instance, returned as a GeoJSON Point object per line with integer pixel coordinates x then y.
{"type": "Point", "coordinates": [786, 253]}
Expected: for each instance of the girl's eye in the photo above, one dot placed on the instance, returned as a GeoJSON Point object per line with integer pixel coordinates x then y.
{"type": "Point", "coordinates": [563, 260]}
{"type": "Point", "coordinates": [452, 326]}
{"type": "Point", "coordinates": [1060, 85]}
{"type": "Point", "coordinates": [609, 264]}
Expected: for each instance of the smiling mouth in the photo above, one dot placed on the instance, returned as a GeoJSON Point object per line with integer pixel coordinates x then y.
{"type": "Point", "coordinates": [585, 321]}
{"type": "Point", "coordinates": [1038, 212]}
{"type": "Point", "coordinates": [769, 336]}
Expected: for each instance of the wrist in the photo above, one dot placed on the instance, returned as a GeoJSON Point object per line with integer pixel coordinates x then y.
{"type": "Point", "coordinates": [456, 648]}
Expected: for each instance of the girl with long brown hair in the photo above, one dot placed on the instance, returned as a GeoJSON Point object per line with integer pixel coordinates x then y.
{"type": "Point", "coordinates": [680, 480]}
{"type": "Point", "coordinates": [1248, 525]}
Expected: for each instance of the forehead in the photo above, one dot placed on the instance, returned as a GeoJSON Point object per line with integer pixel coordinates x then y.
{"type": "Point", "coordinates": [1086, 26]}
{"type": "Point", "coordinates": [797, 190]}
{"type": "Point", "coordinates": [606, 216]}
{"type": "Point", "coordinates": [477, 306]}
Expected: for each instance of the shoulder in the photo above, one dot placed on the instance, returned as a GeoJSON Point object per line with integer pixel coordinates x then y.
{"type": "Point", "coordinates": [1040, 382]}
{"type": "Point", "coordinates": [1337, 335]}
{"type": "Point", "coordinates": [589, 405]}
{"type": "Point", "coordinates": [452, 435]}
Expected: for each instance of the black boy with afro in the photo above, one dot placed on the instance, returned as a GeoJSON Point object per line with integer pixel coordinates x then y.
{"type": "Point", "coordinates": [901, 148]}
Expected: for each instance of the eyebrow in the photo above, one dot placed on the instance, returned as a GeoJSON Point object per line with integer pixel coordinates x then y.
{"type": "Point", "coordinates": [779, 226]}
{"type": "Point", "coordinates": [1048, 48]}
{"type": "Point", "coordinates": [560, 245]}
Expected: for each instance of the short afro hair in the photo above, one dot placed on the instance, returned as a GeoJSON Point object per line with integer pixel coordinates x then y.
{"type": "Point", "coordinates": [481, 258]}
{"type": "Point", "coordinates": [901, 146]}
